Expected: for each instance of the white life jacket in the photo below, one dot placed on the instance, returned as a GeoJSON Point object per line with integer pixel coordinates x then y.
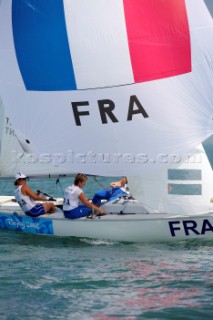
{"type": "Point", "coordinates": [71, 197]}
{"type": "Point", "coordinates": [25, 202]}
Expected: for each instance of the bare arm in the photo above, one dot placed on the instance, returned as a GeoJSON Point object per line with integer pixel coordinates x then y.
{"type": "Point", "coordinates": [28, 192]}
{"type": "Point", "coordinates": [89, 204]}
{"type": "Point", "coordinates": [119, 183]}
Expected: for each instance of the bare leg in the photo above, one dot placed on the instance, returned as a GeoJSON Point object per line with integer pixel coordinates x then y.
{"type": "Point", "coordinates": [49, 207]}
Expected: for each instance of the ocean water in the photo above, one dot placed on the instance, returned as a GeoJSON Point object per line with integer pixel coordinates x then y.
{"type": "Point", "coordinates": [69, 278]}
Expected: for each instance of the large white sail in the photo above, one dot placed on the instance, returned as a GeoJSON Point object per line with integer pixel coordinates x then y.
{"type": "Point", "coordinates": [109, 87]}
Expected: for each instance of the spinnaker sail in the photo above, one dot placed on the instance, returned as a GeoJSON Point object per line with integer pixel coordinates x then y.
{"type": "Point", "coordinates": [108, 87]}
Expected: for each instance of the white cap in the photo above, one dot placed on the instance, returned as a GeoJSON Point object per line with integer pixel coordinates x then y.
{"type": "Point", "coordinates": [20, 176]}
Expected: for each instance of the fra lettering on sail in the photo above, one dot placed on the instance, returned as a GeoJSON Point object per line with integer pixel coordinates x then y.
{"type": "Point", "coordinates": [106, 107]}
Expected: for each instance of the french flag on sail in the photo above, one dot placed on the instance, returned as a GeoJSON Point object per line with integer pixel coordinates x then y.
{"type": "Point", "coordinates": [72, 44]}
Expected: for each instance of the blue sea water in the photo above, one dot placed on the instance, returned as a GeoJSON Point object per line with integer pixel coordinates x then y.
{"type": "Point", "coordinates": [69, 278]}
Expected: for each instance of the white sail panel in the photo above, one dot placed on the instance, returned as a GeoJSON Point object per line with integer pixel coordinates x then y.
{"type": "Point", "coordinates": [100, 28]}
{"type": "Point", "coordinates": [118, 130]}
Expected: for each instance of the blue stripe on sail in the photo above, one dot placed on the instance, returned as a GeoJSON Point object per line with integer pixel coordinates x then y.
{"type": "Point", "coordinates": [41, 45]}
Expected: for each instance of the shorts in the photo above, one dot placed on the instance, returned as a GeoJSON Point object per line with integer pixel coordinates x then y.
{"type": "Point", "coordinates": [78, 212]}
{"type": "Point", "coordinates": [36, 211]}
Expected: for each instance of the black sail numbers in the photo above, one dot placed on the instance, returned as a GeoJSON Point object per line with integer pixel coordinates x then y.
{"type": "Point", "coordinates": [107, 108]}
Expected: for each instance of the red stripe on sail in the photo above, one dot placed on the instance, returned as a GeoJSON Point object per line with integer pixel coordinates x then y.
{"type": "Point", "coordinates": [158, 37]}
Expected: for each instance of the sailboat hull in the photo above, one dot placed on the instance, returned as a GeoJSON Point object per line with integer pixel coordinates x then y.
{"type": "Point", "coordinates": [131, 227]}
{"type": "Point", "coordinates": [139, 228]}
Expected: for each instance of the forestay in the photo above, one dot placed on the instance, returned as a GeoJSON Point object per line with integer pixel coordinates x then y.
{"type": "Point", "coordinates": [107, 87]}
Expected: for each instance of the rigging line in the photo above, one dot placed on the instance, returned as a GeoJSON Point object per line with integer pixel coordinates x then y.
{"type": "Point", "coordinates": [125, 205]}
{"type": "Point", "coordinates": [58, 182]}
{"type": "Point", "coordinates": [100, 183]}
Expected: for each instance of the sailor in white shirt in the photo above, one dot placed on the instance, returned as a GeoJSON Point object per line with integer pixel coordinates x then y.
{"type": "Point", "coordinates": [25, 198]}
{"type": "Point", "coordinates": [73, 195]}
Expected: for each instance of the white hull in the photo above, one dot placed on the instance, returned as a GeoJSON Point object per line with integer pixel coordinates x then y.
{"type": "Point", "coordinates": [133, 227]}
